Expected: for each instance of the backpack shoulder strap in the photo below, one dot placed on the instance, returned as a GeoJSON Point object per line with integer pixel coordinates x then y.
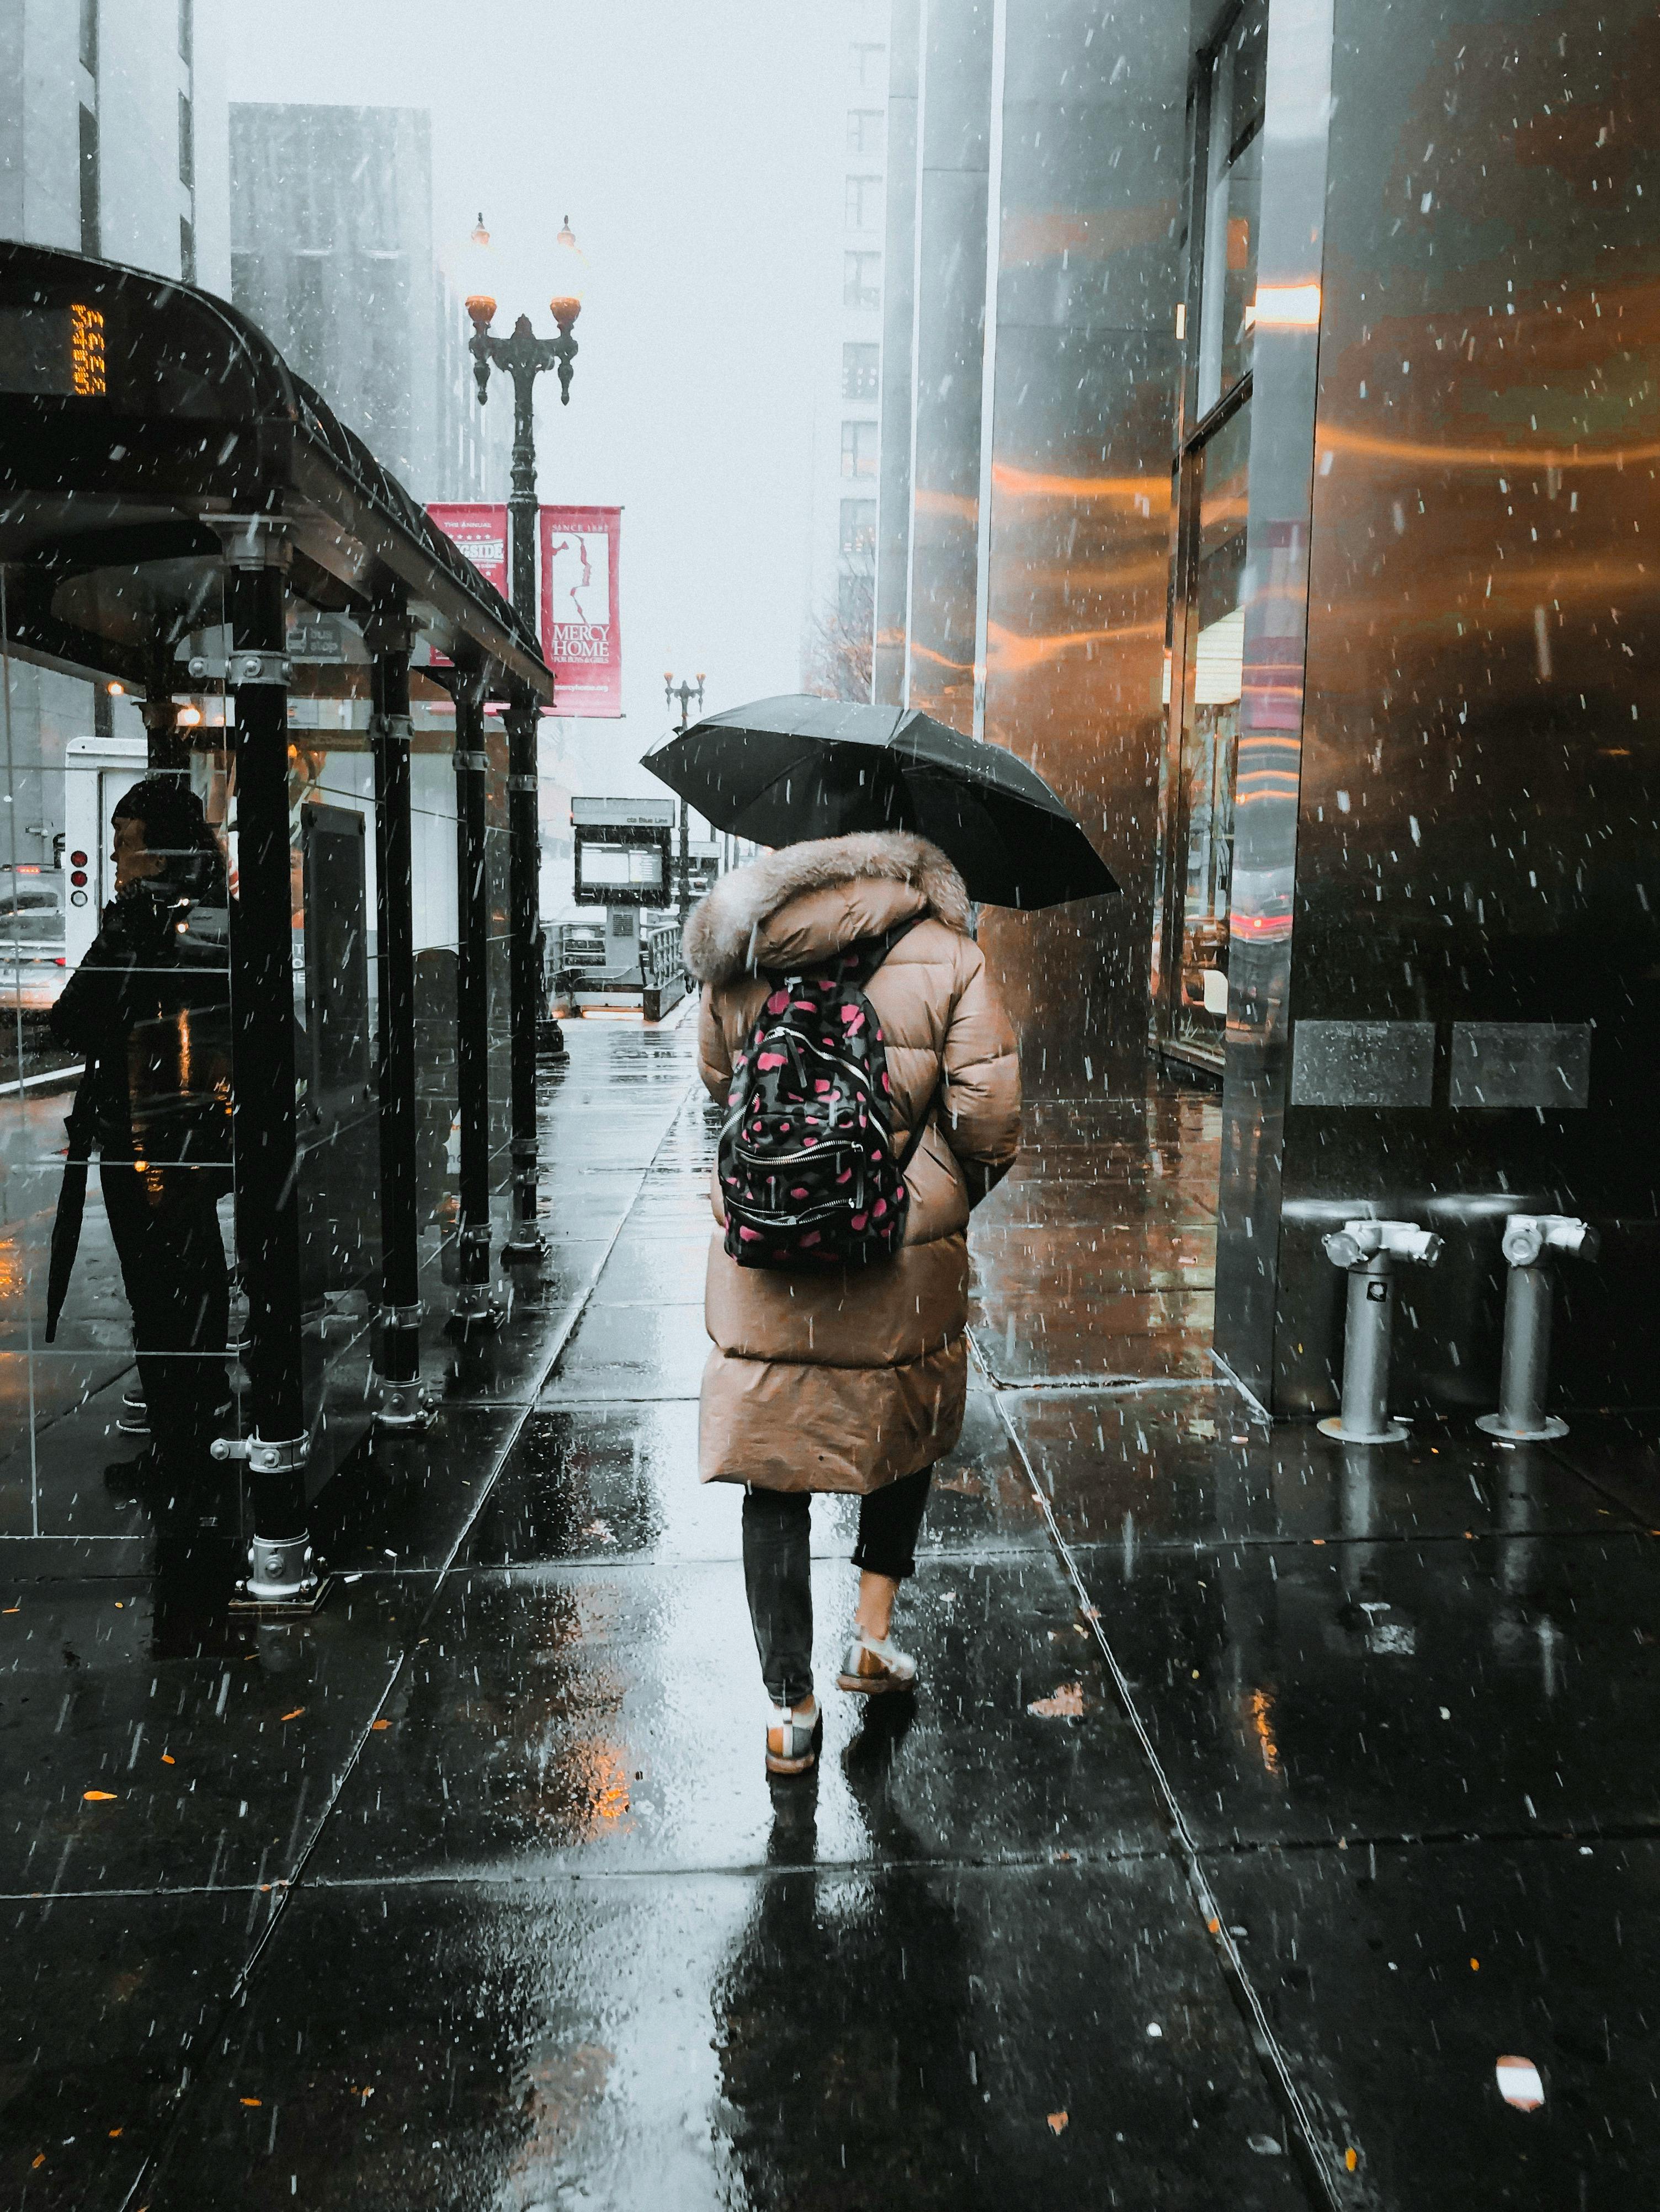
{"type": "Point", "coordinates": [878, 948]}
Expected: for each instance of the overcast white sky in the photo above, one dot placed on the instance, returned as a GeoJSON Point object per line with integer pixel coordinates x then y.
{"type": "Point", "coordinates": [686, 140]}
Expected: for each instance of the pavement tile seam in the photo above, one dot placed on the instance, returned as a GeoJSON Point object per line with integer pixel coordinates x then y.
{"type": "Point", "coordinates": [241, 1982]}
{"type": "Point", "coordinates": [1209, 1546]}
{"type": "Point", "coordinates": [1317, 2157]}
{"type": "Point", "coordinates": [1081, 1858]}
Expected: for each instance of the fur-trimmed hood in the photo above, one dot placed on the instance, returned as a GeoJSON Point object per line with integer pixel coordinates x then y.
{"type": "Point", "coordinates": [722, 931]}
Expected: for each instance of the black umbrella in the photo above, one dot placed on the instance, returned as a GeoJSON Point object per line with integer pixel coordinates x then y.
{"type": "Point", "coordinates": [784, 769]}
{"type": "Point", "coordinates": [71, 1199]}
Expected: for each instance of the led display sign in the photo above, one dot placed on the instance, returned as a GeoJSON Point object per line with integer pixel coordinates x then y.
{"type": "Point", "coordinates": [57, 351]}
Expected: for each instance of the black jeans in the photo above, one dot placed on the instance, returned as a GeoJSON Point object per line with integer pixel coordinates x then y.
{"type": "Point", "coordinates": [166, 1231]}
{"type": "Point", "coordinates": [777, 1538]}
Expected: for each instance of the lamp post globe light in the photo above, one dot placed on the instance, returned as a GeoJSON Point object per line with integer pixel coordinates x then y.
{"type": "Point", "coordinates": [684, 692]}
{"type": "Point", "coordinates": [524, 356]}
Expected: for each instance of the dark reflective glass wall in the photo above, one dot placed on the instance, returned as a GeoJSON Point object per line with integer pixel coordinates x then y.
{"type": "Point", "coordinates": [1476, 824]}
{"type": "Point", "coordinates": [950, 320]}
{"type": "Point", "coordinates": [1091, 192]}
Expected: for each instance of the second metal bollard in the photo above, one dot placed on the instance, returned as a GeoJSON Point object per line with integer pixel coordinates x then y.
{"type": "Point", "coordinates": [1524, 1373]}
{"type": "Point", "coordinates": [1368, 1251]}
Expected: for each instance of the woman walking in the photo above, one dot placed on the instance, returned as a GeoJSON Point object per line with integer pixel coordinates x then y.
{"type": "Point", "coordinates": [874, 1097]}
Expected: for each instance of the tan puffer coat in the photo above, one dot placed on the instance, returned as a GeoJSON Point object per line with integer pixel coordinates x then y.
{"type": "Point", "coordinates": [846, 1381]}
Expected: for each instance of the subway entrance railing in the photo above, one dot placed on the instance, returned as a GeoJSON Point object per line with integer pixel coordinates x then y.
{"type": "Point", "coordinates": [184, 523]}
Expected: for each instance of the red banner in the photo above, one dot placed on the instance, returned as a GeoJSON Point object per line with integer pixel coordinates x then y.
{"type": "Point", "coordinates": [482, 534]}
{"type": "Point", "coordinates": [582, 637]}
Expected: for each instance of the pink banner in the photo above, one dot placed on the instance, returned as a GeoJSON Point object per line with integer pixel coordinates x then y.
{"type": "Point", "coordinates": [482, 534]}
{"type": "Point", "coordinates": [582, 636]}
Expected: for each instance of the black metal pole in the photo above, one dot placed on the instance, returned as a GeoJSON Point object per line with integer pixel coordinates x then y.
{"type": "Point", "coordinates": [473, 1303]}
{"type": "Point", "coordinates": [398, 1361]}
{"type": "Point", "coordinates": [525, 1240]}
{"type": "Point", "coordinates": [521, 501]}
{"type": "Point", "coordinates": [265, 1123]}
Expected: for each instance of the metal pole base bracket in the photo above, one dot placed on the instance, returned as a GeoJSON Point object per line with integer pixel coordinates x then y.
{"type": "Point", "coordinates": [478, 1306]}
{"type": "Point", "coordinates": [1393, 1431]}
{"type": "Point", "coordinates": [518, 1248]}
{"type": "Point", "coordinates": [401, 1406]}
{"type": "Point", "coordinates": [282, 1579]}
{"type": "Point", "coordinates": [1495, 1425]}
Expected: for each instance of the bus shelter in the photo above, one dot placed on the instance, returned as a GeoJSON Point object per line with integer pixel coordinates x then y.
{"type": "Point", "coordinates": [184, 521]}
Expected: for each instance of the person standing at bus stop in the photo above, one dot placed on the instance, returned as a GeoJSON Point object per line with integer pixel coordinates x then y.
{"type": "Point", "coordinates": [148, 1007]}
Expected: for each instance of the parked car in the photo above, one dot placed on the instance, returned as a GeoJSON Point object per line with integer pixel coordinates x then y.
{"type": "Point", "coordinates": [31, 960]}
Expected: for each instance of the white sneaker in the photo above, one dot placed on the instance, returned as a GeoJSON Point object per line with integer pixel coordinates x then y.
{"type": "Point", "coordinates": [793, 1737]}
{"type": "Point", "coordinates": [874, 1665]}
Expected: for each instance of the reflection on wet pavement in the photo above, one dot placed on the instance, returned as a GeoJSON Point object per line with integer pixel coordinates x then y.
{"type": "Point", "coordinates": [1258, 1793]}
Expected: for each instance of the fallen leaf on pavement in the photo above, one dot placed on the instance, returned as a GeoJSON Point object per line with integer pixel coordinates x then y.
{"type": "Point", "coordinates": [1058, 2121]}
{"type": "Point", "coordinates": [1067, 1703]}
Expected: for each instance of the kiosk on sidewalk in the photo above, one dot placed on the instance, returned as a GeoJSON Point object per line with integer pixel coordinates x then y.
{"type": "Point", "coordinates": [623, 864]}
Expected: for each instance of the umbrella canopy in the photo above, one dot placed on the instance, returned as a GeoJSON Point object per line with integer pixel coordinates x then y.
{"type": "Point", "coordinates": [784, 769]}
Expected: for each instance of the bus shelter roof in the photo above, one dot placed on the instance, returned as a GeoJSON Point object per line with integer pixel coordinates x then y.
{"type": "Point", "coordinates": [141, 422]}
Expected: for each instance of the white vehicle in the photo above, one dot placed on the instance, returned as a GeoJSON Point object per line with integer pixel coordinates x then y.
{"type": "Point", "coordinates": [96, 771]}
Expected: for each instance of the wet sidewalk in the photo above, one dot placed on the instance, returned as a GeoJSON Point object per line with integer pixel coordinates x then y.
{"type": "Point", "coordinates": [1259, 1794]}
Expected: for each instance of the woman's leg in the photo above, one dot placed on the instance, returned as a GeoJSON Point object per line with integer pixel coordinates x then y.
{"type": "Point", "coordinates": [889, 1520]}
{"type": "Point", "coordinates": [778, 1575]}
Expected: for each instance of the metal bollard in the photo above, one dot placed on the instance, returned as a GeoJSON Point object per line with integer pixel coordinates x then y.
{"type": "Point", "coordinates": [1368, 1251]}
{"type": "Point", "coordinates": [1524, 1372]}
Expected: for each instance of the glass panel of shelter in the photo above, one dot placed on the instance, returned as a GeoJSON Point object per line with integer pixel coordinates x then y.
{"type": "Point", "coordinates": [332, 845]}
{"type": "Point", "coordinates": [1213, 492]}
{"type": "Point", "coordinates": [126, 1145]}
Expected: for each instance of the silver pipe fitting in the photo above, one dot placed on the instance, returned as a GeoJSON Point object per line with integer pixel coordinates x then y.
{"type": "Point", "coordinates": [282, 1571]}
{"type": "Point", "coordinates": [1368, 1252]}
{"type": "Point", "coordinates": [1524, 1372]}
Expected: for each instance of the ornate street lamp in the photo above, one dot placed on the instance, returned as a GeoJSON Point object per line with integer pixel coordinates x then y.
{"type": "Point", "coordinates": [524, 356]}
{"type": "Point", "coordinates": [684, 692]}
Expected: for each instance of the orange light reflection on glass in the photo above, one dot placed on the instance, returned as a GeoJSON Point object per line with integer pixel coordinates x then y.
{"type": "Point", "coordinates": [1008, 653]}
{"type": "Point", "coordinates": [1513, 457]}
{"type": "Point", "coordinates": [1035, 484]}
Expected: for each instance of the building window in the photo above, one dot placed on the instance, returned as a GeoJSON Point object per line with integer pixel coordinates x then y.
{"type": "Point", "coordinates": [89, 35]}
{"type": "Point", "coordinates": [187, 249]}
{"type": "Point", "coordinates": [859, 449]}
{"type": "Point", "coordinates": [90, 232]}
{"type": "Point", "coordinates": [866, 130]}
{"type": "Point", "coordinates": [870, 67]}
{"type": "Point", "coordinates": [857, 523]}
{"type": "Point", "coordinates": [863, 202]}
{"type": "Point", "coordinates": [862, 280]}
{"type": "Point", "coordinates": [187, 33]}
{"type": "Point", "coordinates": [186, 144]}
{"type": "Point", "coordinates": [861, 371]}
{"type": "Point", "coordinates": [1233, 191]}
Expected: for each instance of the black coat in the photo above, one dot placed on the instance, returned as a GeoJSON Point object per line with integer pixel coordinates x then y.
{"type": "Point", "coordinates": [150, 1008]}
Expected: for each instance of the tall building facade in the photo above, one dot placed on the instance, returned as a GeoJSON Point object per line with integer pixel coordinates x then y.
{"type": "Point", "coordinates": [1282, 405]}
{"type": "Point", "coordinates": [332, 254]}
{"type": "Point", "coordinates": [847, 413]}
